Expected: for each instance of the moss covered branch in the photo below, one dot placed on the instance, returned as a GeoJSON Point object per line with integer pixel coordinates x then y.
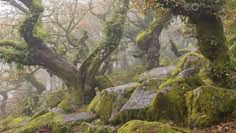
{"type": "Point", "coordinates": [13, 44]}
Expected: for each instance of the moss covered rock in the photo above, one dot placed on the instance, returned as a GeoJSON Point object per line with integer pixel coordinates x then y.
{"type": "Point", "coordinates": [169, 103]}
{"type": "Point", "coordinates": [109, 102]}
{"type": "Point", "coordinates": [137, 126]}
{"type": "Point", "coordinates": [209, 105]}
{"type": "Point", "coordinates": [189, 60]}
{"type": "Point", "coordinates": [11, 122]}
{"type": "Point", "coordinates": [57, 122]}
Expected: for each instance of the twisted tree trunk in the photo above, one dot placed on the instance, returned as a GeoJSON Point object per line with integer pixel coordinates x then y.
{"type": "Point", "coordinates": [211, 41]}
{"type": "Point", "coordinates": [210, 35]}
{"type": "Point", "coordinates": [80, 81]}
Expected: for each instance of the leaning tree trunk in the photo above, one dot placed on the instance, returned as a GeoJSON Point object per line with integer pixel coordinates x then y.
{"type": "Point", "coordinates": [80, 82]}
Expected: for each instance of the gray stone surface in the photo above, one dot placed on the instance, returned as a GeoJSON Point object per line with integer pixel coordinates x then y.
{"type": "Point", "coordinates": [140, 99]}
{"type": "Point", "coordinates": [187, 73]}
{"type": "Point", "coordinates": [159, 72]}
{"type": "Point", "coordinates": [79, 117]}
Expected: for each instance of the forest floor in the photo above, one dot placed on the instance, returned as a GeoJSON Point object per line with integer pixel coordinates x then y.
{"type": "Point", "coordinates": [227, 127]}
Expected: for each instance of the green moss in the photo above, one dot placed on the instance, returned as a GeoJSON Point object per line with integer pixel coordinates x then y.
{"type": "Point", "coordinates": [9, 54]}
{"type": "Point", "coordinates": [209, 105]}
{"type": "Point", "coordinates": [51, 120]}
{"type": "Point", "coordinates": [143, 37]}
{"type": "Point", "coordinates": [39, 32]}
{"type": "Point", "coordinates": [104, 106]}
{"type": "Point", "coordinates": [204, 77]}
{"type": "Point", "coordinates": [138, 126]}
{"type": "Point", "coordinates": [221, 73]}
{"type": "Point", "coordinates": [58, 126]}
{"type": "Point", "coordinates": [182, 62]}
{"type": "Point", "coordinates": [171, 81]}
{"type": "Point", "coordinates": [93, 103]}
{"type": "Point", "coordinates": [194, 81]}
{"type": "Point", "coordinates": [11, 122]}
{"type": "Point", "coordinates": [169, 104]}
{"type": "Point", "coordinates": [37, 6]}
{"type": "Point", "coordinates": [39, 114]}
{"type": "Point", "coordinates": [37, 123]}
{"type": "Point", "coordinates": [14, 44]}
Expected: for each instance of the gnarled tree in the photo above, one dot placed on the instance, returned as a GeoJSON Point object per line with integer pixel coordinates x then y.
{"type": "Point", "coordinates": [210, 34]}
{"type": "Point", "coordinates": [33, 50]}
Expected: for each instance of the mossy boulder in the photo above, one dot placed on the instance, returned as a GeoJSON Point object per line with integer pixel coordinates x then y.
{"type": "Point", "coordinates": [11, 122]}
{"type": "Point", "coordinates": [109, 102]}
{"type": "Point", "coordinates": [33, 125]}
{"type": "Point", "coordinates": [137, 126]}
{"type": "Point", "coordinates": [209, 105]}
{"type": "Point", "coordinates": [190, 60]}
{"type": "Point", "coordinates": [169, 103]}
